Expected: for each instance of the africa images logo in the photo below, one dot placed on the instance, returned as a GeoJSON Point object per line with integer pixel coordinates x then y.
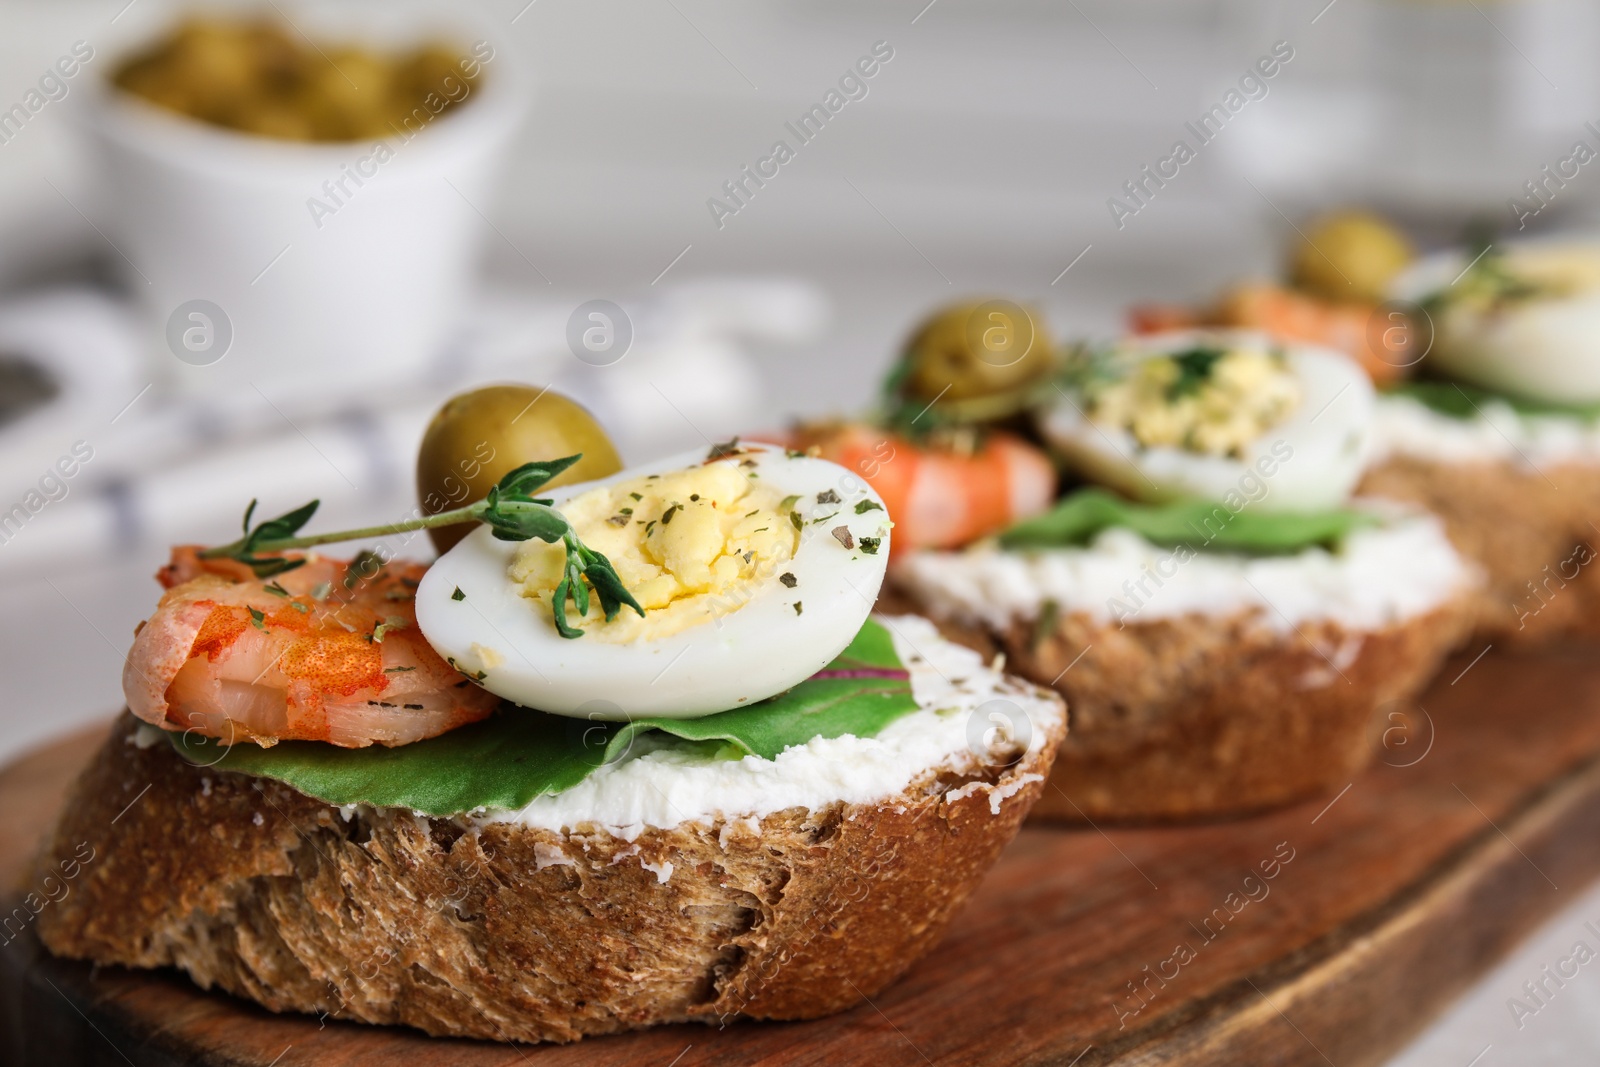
{"type": "Point", "coordinates": [1141, 190]}
{"type": "Point", "coordinates": [852, 86]}
{"type": "Point", "coordinates": [337, 192]}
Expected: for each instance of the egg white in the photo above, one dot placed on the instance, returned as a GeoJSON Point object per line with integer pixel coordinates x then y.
{"type": "Point", "coordinates": [753, 652]}
{"type": "Point", "coordinates": [1315, 455]}
{"type": "Point", "coordinates": [1543, 349]}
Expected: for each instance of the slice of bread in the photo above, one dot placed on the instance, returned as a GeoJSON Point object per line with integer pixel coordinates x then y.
{"type": "Point", "coordinates": [499, 927]}
{"type": "Point", "coordinates": [1532, 531]}
{"type": "Point", "coordinates": [1234, 686]}
{"type": "Point", "coordinates": [1204, 717]}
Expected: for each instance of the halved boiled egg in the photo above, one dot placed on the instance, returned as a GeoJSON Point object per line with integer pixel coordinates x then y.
{"type": "Point", "coordinates": [1218, 414]}
{"type": "Point", "coordinates": [1523, 319]}
{"type": "Point", "coordinates": [755, 567]}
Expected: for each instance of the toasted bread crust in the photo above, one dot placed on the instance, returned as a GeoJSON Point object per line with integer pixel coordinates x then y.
{"type": "Point", "coordinates": [1533, 532]}
{"type": "Point", "coordinates": [1203, 717]}
{"type": "Point", "coordinates": [504, 932]}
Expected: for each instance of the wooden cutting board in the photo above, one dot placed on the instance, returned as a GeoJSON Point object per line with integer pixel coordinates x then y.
{"type": "Point", "coordinates": [1479, 817]}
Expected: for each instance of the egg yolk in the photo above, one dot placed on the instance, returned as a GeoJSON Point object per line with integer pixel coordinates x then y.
{"type": "Point", "coordinates": [690, 545]}
{"type": "Point", "coordinates": [1208, 400]}
{"type": "Point", "coordinates": [1532, 274]}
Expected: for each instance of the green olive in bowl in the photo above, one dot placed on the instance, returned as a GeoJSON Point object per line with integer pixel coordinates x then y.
{"type": "Point", "coordinates": [478, 437]}
{"type": "Point", "coordinates": [971, 350]}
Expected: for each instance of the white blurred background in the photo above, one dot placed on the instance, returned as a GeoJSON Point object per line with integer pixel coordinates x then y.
{"type": "Point", "coordinates": [980, 161]}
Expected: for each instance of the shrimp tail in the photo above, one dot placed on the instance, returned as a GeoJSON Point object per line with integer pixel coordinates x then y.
{"type": "Point", "coordinates": [162, 645]}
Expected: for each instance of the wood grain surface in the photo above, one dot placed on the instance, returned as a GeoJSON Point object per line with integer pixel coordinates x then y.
{"type": "Point", "coordinates": [1479, 817]}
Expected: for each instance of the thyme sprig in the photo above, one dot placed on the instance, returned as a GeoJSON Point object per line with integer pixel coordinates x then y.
{"type": "Point", "coordinates": [510, 510]}
{"type": "Point", "coordinates": [1488, 280]}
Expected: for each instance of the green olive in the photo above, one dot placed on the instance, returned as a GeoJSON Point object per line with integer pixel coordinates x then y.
{"type": "Point", "coordinates": [1349, 256]}
{"type": "Point", "coordinates": [971, 350]}
{"type": "Point", "coordinates": [261, 77]}
{"type": "Point", "coordinates": [477, 438]}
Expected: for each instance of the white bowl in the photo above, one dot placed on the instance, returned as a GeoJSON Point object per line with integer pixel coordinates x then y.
{"type": "Point", "coordinates": [317, 287]}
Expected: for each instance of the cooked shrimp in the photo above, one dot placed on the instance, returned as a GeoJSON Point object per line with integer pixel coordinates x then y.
{"type": "Point", "coordinates": [319, 653]}
{"type": "Point", "coordinates": [1381, 345]}
{"type": "Point", "coordinates": [942, 497]}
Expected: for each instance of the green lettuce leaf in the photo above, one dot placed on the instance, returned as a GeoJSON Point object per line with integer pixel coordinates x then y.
{"type": "Point", "coordinates": [519, 754]}
{"type": "Point", "coordinates": [1201, 524]}
{"type": "Point", "coordinates": [1466, 401]}
{"type": "Point", "coordinates": [863, 690]}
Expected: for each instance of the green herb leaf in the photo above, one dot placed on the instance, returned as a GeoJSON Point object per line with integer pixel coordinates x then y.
{"type": "Point", "coordinates": [525, 520]}
{"type": "Point", "coordinates": [365, 565]}
{"type": "Point", "coordinates": [386, 627]}
{"type": "Point", "coordinates": [864, 506]}
{"type": "Point", "coordinates": [607, 585]}
{"type": "Point", "coordinates": [559, 602]}
{"type": "Point", "coordinates": [518, 754]}
{"type": "Point", "coordinates": [529, 477]}
{"type": "Point", "coordinates": [458, 594]}
{"type": "Point", "coordinates": [722, 449]}
{"type": "Point", "coordinates": [1194, 370]}
{"type": "Point", "coordinates": [476, 676]}
{"type": "Point", "coordinates": [257, 619]}
{"type": "Point", "coordinates": [286, 525]}
{"type": "Point", "coordinates": [1200, 524]}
